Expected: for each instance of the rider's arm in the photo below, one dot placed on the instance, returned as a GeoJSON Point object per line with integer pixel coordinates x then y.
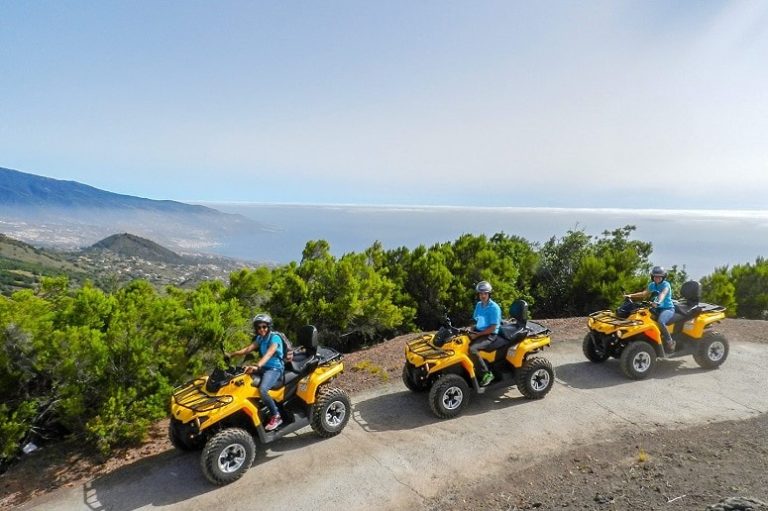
{"type": "Point", "coordinates": [243, 351]}
{"type": "Point", "coordinates": [662, 294]}
{"type": "Point", "coordinates": [488, 331]}
{"type": "Point", "coordinates": [265, 358]}
{"type": "Point", "coordinates": [641, 294]}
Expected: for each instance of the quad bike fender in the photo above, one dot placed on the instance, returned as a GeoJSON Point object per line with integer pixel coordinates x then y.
{"type": "Point", "coordinates": [696, 330]}
{"type": "Point", "coordinates": [525, 347]}
{"type": "Point", "coordinates": [459, 364]}
{"type": "Point", "coordinates": [454, 354]}
{"type": "Point", "coordinates": [650, 331]}
{"type": "Point", "coordinates": [308, 385]}
{"type": "Point", "coordinates": [192, 403]}
{"type": "Point", "coordinates": [460, 360]}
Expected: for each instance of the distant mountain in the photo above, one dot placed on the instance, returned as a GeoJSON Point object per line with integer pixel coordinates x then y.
{"type": "Point", "coordinates": [22, 189]}
{"type": "Point", "coordinates": [69, 215]}
{"type": "Point", "coordinates": [129, 245]}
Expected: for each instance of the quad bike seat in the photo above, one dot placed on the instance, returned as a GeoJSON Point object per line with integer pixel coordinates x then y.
{"type": "Point", "coordinates": [511, 331]}
{"type": "Point", "coordinates": [688, 307]}
{"type": "Point", "coordinates": [305, 358]}
{"type": "Point", "coordinates": [515, 328]}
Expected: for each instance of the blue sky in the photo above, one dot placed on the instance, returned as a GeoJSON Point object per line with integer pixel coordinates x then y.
{"type": "Point", "coordinates": [568, 104]}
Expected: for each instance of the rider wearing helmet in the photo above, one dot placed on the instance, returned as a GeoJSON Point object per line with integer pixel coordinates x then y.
{"type": "Point", "coordinates": [661, 291]}
{"type": "Point", "coordinates": [270, 363]}
{"type": "Point", "coordinates": [487, 318]}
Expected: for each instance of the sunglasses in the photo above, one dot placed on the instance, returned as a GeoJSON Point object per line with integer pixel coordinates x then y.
{"type": "Point", "coordinates": [262, 327]}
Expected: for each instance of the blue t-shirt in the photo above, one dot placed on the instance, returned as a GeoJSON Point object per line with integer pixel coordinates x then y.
{"type": "Point", "coordinates": [263, 342]}
{"type": "Point", "coordinates": [666, 303]}
{"type": "Point", "coordinates": [487, 315]}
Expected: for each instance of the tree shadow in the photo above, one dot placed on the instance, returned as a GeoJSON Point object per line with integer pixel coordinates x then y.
{"type": "Point", "coordinates": [172, 477]}
{"type": "Point", "coordinates": [408, 410]}
{"type": "Point", "coordinates": [589, 375]}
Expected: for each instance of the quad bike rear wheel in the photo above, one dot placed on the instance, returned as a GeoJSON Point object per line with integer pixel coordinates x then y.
{"type": "Point", "coordinates": [638, 360]}
{"type": "Point", "coordinates": [535, 378]}
{"type": "Point", "coordinates": [227, 456]}
{"type": "Point", "coordinates": [591, 351]}
{"type": "Point", "coordinates": [331, 411]}
{"type": "Point", "coordinates": [410, 384]}
{"type": "Point", "coordinates": [712, 350]}
{"type": "Point", "coordinates": [449, 396]}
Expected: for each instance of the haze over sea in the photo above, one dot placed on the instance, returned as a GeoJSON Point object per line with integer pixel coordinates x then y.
{"type": "Point", "coordinates": [699, 240]}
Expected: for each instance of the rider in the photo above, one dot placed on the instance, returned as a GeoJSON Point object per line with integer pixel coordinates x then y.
{"type": "Point", "coordinates": [270, 363]}
{"type": "Point", "coordinates": [665, 309]}
{"type": "Point", "coordinates": [487, 318]}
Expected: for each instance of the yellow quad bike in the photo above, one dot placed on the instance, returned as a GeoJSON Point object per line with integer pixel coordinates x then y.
{"type": "Point", "coordinates": [632, 335]}
{"type": "Point", "coordinates": [223, 415]}
{"type": "Point", "coordinates": [440, 363]}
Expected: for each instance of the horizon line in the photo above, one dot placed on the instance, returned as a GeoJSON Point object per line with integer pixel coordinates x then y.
{"type": "Point", "coordinates": [698, 211]}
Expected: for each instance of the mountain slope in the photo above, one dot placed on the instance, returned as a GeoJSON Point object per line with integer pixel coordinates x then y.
{"type": "Point", "coordinates": [129, 245]}
{"type": "Point", "coordinates": [70, 215]}
{"type": "Point", "coordinates": [23, 189]}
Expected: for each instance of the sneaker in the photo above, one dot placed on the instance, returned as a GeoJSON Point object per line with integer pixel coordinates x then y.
{"type": "Point", "coordinates": [273, 423]}
{"type": "Point", "coordinates": [669, 345]}
{"type": "Point", "coordinates": [486, 378]}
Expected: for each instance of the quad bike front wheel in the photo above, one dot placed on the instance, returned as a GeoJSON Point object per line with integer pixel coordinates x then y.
{"type": "Point", "coordinates": [227, 456]}
{"type": "Point", "coordinates": [712, 350]}
{"type": "Point", "coordinates": [331, 411]}
{"type": "Point", "coordinates": [535, 378]}
{"type": "Point", "coordinates": [638, 360]}
{"type": "Point", "coordinates": [449, 396]}
{"type": "Point", "coordinates": [592, 353]}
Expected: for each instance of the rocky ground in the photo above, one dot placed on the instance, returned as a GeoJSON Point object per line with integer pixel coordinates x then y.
{"type": "Point", "coordinates": [721, 466]}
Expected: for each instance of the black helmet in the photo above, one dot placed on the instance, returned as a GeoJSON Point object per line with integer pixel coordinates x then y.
{"type": "Point", "coordinates": [483, 287]}
{"type": "Point", "coordinates": [262, 318]}
{"type": "Point", "coordinates": [658, 271]}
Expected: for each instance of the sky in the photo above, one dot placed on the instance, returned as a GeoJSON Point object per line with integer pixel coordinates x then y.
{"type": "Point", "coordinates": [628, 104]}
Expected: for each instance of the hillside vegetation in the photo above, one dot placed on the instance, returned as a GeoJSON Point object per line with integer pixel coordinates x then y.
{"type": "Point", "coordinates": [107, 264]}
{"type": "Point", "coordinates": [99, 364]}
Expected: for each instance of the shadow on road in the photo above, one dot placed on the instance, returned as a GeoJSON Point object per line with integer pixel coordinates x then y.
{"type": "Point", "coordinates": [164, 479]}
{"type": "Point", "coordinates": [408, 410]}
{"type": "Point", "coordinates": [588, 375]}
{"type": "Point", "coordinates": [171, 477]}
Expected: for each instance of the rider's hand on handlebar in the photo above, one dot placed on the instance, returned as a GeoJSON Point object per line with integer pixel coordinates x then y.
{"type": "Point", "coordinates": [252, 369]}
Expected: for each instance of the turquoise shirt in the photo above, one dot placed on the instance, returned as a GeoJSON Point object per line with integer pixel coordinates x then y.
{"type": "Point", "coordinates": [666, 303]}
{"type": "Point", "coordinates": [263, 342]}
{"type": "Point", "coordinates": [487, 315]}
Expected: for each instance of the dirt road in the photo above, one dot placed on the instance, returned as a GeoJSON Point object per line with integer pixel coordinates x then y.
{"type": "Point", "coordinates": [395, 455]}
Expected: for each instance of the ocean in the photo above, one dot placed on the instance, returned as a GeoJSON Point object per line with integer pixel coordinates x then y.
{"type": "Point", "coordinates": [699, 240]}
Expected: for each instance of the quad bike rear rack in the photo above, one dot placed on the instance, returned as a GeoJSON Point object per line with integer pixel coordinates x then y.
{"type": "Point", "coordinates": [192, 397]}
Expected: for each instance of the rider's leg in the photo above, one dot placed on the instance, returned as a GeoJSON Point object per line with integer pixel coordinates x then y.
{"type": "Point", "coordinates": [480, 343]}
{"type": "Point", "coordinates": [268, 379]}
{"type": "Point", "coordinates": [663, 318]}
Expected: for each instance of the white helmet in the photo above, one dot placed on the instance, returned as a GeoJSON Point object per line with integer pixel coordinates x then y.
{"type": "Point", "coordinates": [262, 318]}
{"type": "Point", "coordinates": [483, 287]}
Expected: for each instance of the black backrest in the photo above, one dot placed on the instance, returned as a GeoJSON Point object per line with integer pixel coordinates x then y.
{"type": "Point", "coordinates": [307, 338]}
{"type": "Point", "coordinates": [691, 291]}
{"type": "Point", "coordinates": [519, 311]}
